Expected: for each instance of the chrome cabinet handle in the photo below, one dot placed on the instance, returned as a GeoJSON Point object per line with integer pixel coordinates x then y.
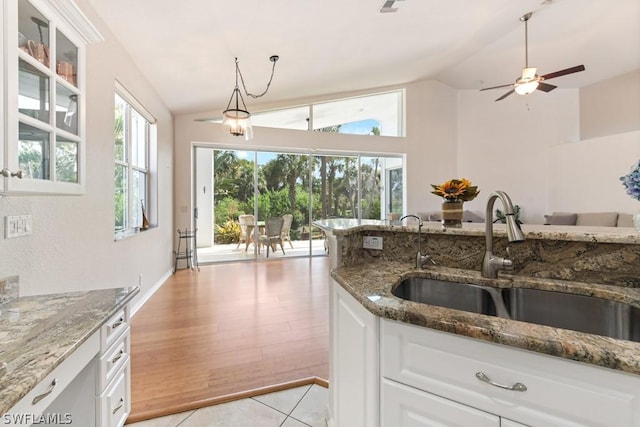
{"type": "Point", "coordinates": [117, 408]}
{"type": "Point", "coordinates": [39, 397]}
{"type": "Point", "coordinates": [118, 323]}
{"type": "Point", "coordinates": [118, 357]}
{"type": "Point", "coordinates": [516, 387]}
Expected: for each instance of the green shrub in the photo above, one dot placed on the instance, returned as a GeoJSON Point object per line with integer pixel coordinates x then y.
{"type": "Point", "coordinates": [229, 232]}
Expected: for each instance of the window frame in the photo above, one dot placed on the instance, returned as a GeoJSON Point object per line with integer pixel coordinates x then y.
{"type": "Point", "coordinates": [133, 215]}
{"type": "Point", "coordinates": [303, 115]}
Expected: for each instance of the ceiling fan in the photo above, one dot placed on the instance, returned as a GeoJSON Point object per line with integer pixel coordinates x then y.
{"type": "Point", "coordinates": [530, 81]}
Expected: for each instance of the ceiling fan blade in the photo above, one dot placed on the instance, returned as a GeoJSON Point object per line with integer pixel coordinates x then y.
{"type": "Point", "coordinates": [496, 87]}
{"type": "Point", "coordinates": [505, 95]}
{"type": "Point", "coordinates": [545, 87]}
{"type": "Point", "coordinates": [571, 70]}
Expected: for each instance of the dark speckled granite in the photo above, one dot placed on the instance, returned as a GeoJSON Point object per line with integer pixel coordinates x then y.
{"type": "Point", "coordinates": [37, 333]}
{"type": "Point", "coordinates": [593, 261]}
{"type": "Point", "coordinates": [372, 288]}
{"type": "Point", "coordinates": [609, 261]}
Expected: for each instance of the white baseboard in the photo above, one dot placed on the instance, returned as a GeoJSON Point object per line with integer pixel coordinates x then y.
{"type": "Point", "coordinates": [145, 297]}
{"type": "Point", "coordinates": [328, 417]}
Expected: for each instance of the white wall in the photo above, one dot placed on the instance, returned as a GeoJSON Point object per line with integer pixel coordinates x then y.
{"type": "Point", "coordinates": [431, 135]}
{"type": "Point", "coordinates": [506, 145]}
{"type": "Point", "coordinates": [72, 246]}
{"type": "Point", "coordinates": [611, 106]}
{"type": "Point", "coordinates": [531, 147]}
{"type": "Point", "coordinates": [587, 174]}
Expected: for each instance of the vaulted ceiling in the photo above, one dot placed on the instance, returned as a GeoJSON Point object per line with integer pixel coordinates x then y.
{"type": "Point", "coordinates": [186, 49]}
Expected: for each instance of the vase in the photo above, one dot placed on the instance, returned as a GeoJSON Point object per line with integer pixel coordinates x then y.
{"type": "Point", "coordinates": [452, 213]}
{"type": "Point", "coordinates": [636, 221]}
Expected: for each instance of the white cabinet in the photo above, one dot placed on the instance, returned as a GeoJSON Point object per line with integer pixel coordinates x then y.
{"type": "Point", "coordinates": [91, 387]}
{"type": "Point", "coordinates": [113, 401]}
{"type": "Point", "coordinates": [409, 407]}
{"type": "Point", "coordinates": [43, 109]}
{"type": "Point", "coordinates": [393, 374]}
{"type": "Point", "coordinates": [354, 374]}
{"type": "Point", "coordinates": [61, 396]}
{"type": "Point", "coordinates": [551, 391]}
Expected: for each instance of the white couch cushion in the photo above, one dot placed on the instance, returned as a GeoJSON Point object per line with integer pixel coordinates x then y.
{"type": "Point", "coordinates": [625, 220]}
{"type": "Point", "coordinates": [598, 219]}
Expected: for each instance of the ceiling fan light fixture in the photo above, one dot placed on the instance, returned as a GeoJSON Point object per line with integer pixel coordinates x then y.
{"type": "Point", "coordinates": [525, 88]}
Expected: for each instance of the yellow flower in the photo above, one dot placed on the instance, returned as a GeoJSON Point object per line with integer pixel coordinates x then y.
{"type": "Point", "coordinates": [456, 189]}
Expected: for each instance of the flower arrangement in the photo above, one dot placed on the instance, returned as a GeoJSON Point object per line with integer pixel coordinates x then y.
{"type": "Point", "coordinates": [631, 181]}
{"type": "Point", "coordinates": [456, 190]}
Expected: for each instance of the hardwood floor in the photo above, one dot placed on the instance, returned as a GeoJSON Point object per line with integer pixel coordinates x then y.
{"type": "Point", "coordinates": [229, 331]}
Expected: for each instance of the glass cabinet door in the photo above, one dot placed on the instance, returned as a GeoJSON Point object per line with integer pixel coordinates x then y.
{"type": "Point", "coordinates": [49, 145]}
{"type": "Point", "coordinates": [44, 93]}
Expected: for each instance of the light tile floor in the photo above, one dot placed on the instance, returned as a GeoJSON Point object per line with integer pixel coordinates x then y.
{"type": "Point", "coordinates": [295, 407]}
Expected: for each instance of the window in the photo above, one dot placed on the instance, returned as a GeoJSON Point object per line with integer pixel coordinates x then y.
{"type": "Point", "coordinates": [376, 114]}
{"type": "Point", "coordinates": [134, 139]}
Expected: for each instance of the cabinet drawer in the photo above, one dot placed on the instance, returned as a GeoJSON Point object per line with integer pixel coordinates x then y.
{"type": "Point", "coordinates": [44, 393]}
{"type": "Point", "coordinates": [113, 359]}
{"type": "Point", "coordinates": [114, 405]}
{"type": "Point", "coordinates": [113, 328]}
{"type": "Point", "coordinates": [558, 392]}
{"type": "Point", "coordinates": [409, 407]}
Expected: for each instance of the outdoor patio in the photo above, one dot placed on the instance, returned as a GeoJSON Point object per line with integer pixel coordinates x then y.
{"type": "Point", "coordinates": [235, 252]}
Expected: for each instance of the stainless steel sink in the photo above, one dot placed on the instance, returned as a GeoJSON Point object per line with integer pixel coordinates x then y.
{"type": "Point", "coordinates": [459, 296]}
{"type": "Point", "coordinates": [576, 312]}
{"type": "Point", "coordinates": [592, 315]}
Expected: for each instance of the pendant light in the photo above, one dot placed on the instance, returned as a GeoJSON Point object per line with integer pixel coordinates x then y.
{"type": "Point", "coordinates": [236, 115]}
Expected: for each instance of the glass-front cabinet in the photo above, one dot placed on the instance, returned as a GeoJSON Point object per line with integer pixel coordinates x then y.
{"type": "Point", "coordinates": [43, 129]}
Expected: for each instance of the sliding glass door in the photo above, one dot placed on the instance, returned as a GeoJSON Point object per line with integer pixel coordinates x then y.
{"type": "Point", "coordinates": [236, 186]}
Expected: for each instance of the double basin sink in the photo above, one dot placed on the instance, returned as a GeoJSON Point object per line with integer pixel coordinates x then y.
{"type": "Point", "coordinates": [581, 313]}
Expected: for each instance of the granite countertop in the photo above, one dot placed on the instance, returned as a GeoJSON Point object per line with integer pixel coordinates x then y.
{"type": "Point", "coordinates": [371, 285]}
{"type": "Point", "coordinates": [37, 333]}
{"type": "Point", "coordinates": [346, 226]}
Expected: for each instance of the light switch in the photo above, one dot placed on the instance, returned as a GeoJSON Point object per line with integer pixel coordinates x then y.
{"type": "Point", "coordinates": [17, 226]}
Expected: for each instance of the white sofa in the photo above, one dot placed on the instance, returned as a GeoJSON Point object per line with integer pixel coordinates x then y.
{"type": "Point", "coordinates": [593, 219]}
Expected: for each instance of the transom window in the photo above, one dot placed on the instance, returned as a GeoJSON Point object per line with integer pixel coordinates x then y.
{"type": "Point", "coordinates": [376, 114]}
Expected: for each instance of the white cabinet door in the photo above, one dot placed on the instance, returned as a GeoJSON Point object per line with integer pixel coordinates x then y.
{"type": "Point", "coordinates": [354, 378]}
{"type": "Point", "coordinates": [42, 117]}
{"type": "Point", "coordinates": [406, 406]}
{"type": "Point", "coordinates": [559, 392]}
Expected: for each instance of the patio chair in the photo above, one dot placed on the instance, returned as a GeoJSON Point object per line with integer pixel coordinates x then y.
{"type": "Point", "coordinates": [244, 238]}
{"type": "Point", "coordinates": [273, 234]}
{"type": "Point", "coordinates": [286, 229]}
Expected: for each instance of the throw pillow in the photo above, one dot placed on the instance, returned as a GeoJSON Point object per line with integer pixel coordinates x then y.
{"type": "Point", "coordinates": [470, 216]}
{"type": "Point", "coordinates": [625, 220]}
{"type": "Point", "coordinates": [560, 219]}
{"type": "Point", "coordinates": [598, 219]}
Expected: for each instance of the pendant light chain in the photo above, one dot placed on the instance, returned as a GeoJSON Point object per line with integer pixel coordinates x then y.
{"type": "Point", "coordinates": [273, 59]}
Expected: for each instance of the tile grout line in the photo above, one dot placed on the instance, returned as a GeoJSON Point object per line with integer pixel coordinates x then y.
{"type": "Point", "coordinates": [187, 417]}
{"type": "Point", "coordinates": [296, 405]}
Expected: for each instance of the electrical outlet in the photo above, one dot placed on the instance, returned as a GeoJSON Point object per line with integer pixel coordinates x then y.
{"type": "Point", "coordinates": [372, 242]}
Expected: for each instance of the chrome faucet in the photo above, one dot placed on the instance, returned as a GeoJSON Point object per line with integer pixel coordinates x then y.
{"type": "Point", "coordinates": [421, 260]}
{"type": "Point", "coordinates": [491, 264]}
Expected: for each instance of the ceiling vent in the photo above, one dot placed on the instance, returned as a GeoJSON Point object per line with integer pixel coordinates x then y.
{"type": "Point", "coordinates": [387, 6]}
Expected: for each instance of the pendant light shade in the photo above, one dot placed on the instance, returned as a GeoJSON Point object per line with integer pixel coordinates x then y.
{"type": "Point", "coordinates": [236, 115]}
